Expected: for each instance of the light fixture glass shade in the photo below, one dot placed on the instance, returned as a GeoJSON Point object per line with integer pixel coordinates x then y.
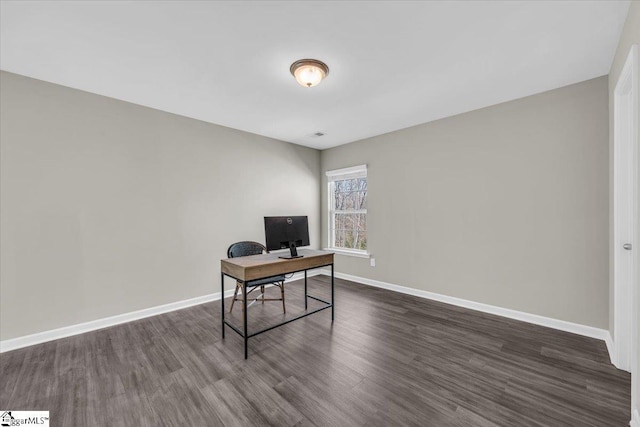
{"type": "Point", "coordinates": [309, 72]}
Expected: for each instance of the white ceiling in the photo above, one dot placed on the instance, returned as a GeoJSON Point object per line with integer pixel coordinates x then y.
{"type": "Point", "coordinates": [392, 64]}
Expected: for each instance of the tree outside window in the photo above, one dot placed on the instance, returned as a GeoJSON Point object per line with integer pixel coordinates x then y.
{"type": "Point", "coordinates": [348, 209]}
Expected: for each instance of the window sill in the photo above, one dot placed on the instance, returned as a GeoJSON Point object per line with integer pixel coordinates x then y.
{"type": "Point", "coordinates": [357, 254]}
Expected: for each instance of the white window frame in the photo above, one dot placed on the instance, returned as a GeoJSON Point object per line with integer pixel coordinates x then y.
{"type": "Point", "coordinates": [359, 171]}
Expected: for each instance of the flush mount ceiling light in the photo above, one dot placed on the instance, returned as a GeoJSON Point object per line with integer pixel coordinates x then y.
{"type": "Point", "coordinates": [309, 72]}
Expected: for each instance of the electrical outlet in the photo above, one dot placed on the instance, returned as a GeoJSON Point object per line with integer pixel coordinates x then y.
{"type": "Point", "coordinates": [372, 261]}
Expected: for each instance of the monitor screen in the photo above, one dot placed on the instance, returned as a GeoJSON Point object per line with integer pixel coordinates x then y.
{"type": "Point", "coordinates": [282, 232]}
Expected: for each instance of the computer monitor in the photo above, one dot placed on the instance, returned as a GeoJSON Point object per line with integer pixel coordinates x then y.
{"type": "Point", "coordinates": [286, 232]}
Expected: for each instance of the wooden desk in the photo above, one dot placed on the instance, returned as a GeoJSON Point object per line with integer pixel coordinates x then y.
{"type": "Point", "coordinates": [248, 268]}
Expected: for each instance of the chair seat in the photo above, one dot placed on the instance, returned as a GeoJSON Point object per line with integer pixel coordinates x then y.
{"type": "Point", "coordinates": [264, 281]}
{"type": "Point", "coordinates": [247, 248]}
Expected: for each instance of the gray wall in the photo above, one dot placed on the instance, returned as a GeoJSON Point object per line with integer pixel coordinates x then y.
{"type": "Point", "coordinates": [630, 36]}
{"type": "Point", "coordinates": [109, 207]}
{"type": "Point", "coordinates": [507, 205]}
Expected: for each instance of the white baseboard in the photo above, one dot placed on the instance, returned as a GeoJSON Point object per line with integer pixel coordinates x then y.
{"type": "Point", "coordinates": [575, 328]}
{"type": "Point", "coordinates": [608, 340]}
{"type": "Point", "coordinates": [635, 419]}
{"type": "Point", "coordinates": [67, 331]}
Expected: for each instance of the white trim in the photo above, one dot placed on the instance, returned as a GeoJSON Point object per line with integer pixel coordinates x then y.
{"type": "Point", "coordinates": [635, 419]}
{"type": "Point", "coordinates": [352, 211]}
{"type": "Point", "coordinates": [562, 325]}
{"type": "Point", "coordinates": [67, 331]}
{"type": "Point", "coordinates": [346, 171]}
{"type": "Point", "coordinates": [625, 263]}
{"type": "Point", "coordinates": [611, 348]}
{"type": "Point", "coordinates": [298, 276]}
{"type": "Point", "coordinates": [348, 252]}
{"type": "Point", "coordinates": [332, 177]}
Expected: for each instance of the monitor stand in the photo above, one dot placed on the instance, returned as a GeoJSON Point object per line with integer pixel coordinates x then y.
{"type": "Point", "coordinates": [293, 250]}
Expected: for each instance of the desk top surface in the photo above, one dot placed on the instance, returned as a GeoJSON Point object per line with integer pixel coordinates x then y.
{"type": "Point", "coordinates": [259, 266]}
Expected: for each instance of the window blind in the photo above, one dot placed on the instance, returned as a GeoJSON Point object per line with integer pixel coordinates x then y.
{"type": "Point", "coordinates": [347, 173]}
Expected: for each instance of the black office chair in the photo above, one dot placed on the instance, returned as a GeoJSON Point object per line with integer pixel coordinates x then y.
{"type": "Point", "coordinates": [254, 248]}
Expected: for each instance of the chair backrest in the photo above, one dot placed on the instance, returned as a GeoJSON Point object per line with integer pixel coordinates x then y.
{"type": "Point", "coordinates": [245, 249]}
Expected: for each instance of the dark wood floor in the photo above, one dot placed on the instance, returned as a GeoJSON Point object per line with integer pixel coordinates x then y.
{"type": "Point", "coordinates": [388, 359]}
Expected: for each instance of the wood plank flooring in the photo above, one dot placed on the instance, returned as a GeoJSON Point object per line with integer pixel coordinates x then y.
{"type": "Point", "coordinates": [388, 359]}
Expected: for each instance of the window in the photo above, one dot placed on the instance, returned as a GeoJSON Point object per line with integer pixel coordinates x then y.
{"type": "Point", "coordinates": [348, 209]}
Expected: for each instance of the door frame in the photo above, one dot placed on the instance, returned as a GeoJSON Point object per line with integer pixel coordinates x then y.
{"type": "Point", "coordinates": [625, 113]}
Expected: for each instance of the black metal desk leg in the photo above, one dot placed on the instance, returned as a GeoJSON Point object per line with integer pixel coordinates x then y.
{"type": "Point", "coordinates": [244, 315]}
{"type": "Point", "coordinates": [305, 289]}
{"type": "Point", "coordinates": [222, 300]}
{"type": "Point", "coordinates": [332, 292]}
